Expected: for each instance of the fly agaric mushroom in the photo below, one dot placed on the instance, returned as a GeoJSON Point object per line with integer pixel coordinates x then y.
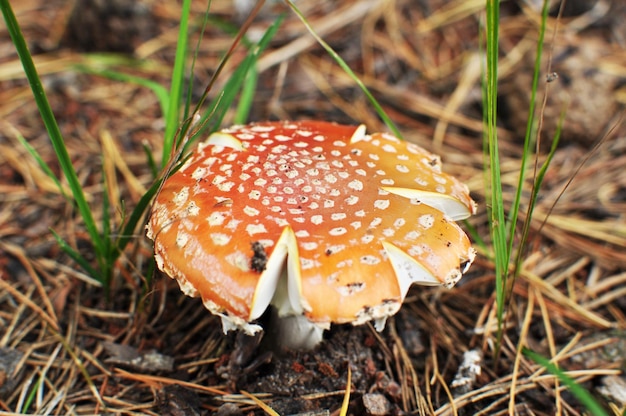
{"type": "Point", "coordinates": [325, 222]}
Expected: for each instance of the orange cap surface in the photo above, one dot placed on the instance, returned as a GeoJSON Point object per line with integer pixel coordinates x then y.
{"type": "Point", "coordinates": [338, 222]}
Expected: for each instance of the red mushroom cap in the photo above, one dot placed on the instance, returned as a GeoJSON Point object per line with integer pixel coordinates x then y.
{"type": "Point", "coordinates": [318, 218]}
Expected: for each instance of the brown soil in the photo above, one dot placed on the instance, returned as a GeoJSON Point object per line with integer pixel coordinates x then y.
{"type": "Point", "coordinates": [65, 348]}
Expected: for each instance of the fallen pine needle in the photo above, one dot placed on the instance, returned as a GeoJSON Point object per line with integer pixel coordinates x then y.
{"type": "Point", "coordinates": [264, 406]}
{"type": "Point", "coordinates": [346, 397]}
{"type": "Point", "coordinates": [148, 379]}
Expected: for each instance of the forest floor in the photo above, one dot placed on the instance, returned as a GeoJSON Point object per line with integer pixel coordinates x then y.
{"type": "Point", "coordinates": [67, 348]}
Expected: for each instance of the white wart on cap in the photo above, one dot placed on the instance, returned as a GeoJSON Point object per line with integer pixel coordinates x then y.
{"type": "Point", "coordinates": [319, 219]}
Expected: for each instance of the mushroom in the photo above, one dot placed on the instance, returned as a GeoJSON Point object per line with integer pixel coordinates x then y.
{"type": "Point", "coordinates": [326, 223]}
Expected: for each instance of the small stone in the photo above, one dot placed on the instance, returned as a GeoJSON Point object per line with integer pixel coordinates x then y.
{"type": "Point", "coordinates": [175, 400]}
{"type": "Point", "coordinates": [9, 358]}
{"type": "Point", "coordinates": [130, 357]}
{"type": "Point", "coordinates": [229, 409]}
{"type": "Point", "coordinates": [614, 389]}
{"type": "Point", "coordinates": [376, 404]}
{"type": "Point", "coordinates": [467, 373]}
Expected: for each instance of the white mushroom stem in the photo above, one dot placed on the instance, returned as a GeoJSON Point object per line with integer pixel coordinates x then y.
{"type": "Point", "coordinates": [294, 332]}
{"type": "Point", "coordinates": [289, 328]}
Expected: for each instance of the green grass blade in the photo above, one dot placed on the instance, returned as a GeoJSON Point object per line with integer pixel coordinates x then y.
{"type": "Point", "coordinates": [528, 142]}
{"type": "Point", "coordinates": [176, 87]}
{"type": "Point", "coordinates": [30, 397]}
{"type": "Point", "coordinates": [150, 160]}
{"type": "Point", "coordinates": [576, 389]}
{"type": "Point", "coordinates": [535, 193]}
{"type": "Point", "coordinates": [497, 222]}
{"type": "Point", "coordinates": [216, 110]}
{"type": "Point", "coordinates": [42, 164]}
{"type": "Point", "coordinates": [485, 142]}
{"type": "Point", "coordinates": [246, 98]}
{"type": "Point", "coordinates": [189, 94]}
{"type": "Point", "coordinates": [160, 91]}
{"type": "Point", "coordinates": [53, 129]}
{"type": "Point", "coordinates": [128, 230]}
{"type": "Point", "coordinates": [77, 257]}
{"type": "Point", "coordinates": [184, 137]}
{"type": "Point", "coordinates": [379, 109]}
{"type": "Point", "coordinates": [109, 254]}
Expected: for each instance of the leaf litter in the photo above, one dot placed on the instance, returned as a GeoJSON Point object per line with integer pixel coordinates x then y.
{"type": "Point", "coordinates": [57, 327]}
